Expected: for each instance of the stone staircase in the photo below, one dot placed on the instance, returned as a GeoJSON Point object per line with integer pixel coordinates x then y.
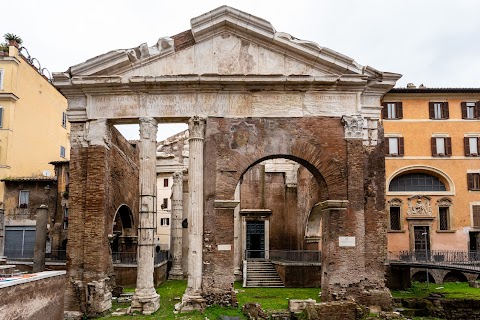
{"type": "Point", "coordinates": [262, 273]}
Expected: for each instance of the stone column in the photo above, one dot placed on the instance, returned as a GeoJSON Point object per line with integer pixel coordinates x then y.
{"type": "Point", "coordinates": [177, 212]}
{"type": "Point", "coordinates": [237, 237]}
{"type": "Point", "coordinates": [145, 299]}
{"type": "Point", "coordinates": [192, 299]}
{"type": "Point", "coordinates": [40, 239]}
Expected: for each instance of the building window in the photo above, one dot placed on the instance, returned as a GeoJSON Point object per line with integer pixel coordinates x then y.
{"type": "Point", "coordinates": [23, 199]}
{"type": "Point", "coordinates": [65, 218]}
{"type": "Point", "coordinates": [64, 119]}
{"type": "Point", "coordinates": [165, 203]}
{"type": "Point", "coordinates": [394, 146]}
{"type": "Point", "coordinates": [1, 79]}
{"type": "Point", "coordinates": [392, 110]}
{"type": "Point", "coordinates": [62, 152]}
{"type": "Point", "coordinates": [1, 117]}
{"type": "Point", "coordinates": [395, 218]}
{"type": "Point", "coordinates": [165, 183]}
{"type": "Point", "coordinates": [441, 146]}
{"type": "Point", "coordinates": [473, 181]}
{"type": "Point", "coordinates": [165, 221]}
{"type": "Point", "coordinates": [443, 218]}
{"type": "Point", "coordinates": [470, 110]}
{"type": "Point", "coordinates": [438, 110]}
{"type": "Point", "coordinates": [472, 145]}
{"type": "Point", "coordinates": [416, 182]}
{"type": "Point", "coordinates": [476, 216]}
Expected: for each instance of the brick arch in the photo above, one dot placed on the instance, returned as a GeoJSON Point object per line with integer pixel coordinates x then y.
{"type": "Point", "coordinates": [316, 143]}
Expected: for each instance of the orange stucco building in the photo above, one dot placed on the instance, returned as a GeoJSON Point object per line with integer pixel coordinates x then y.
{"type": "Point", "coordinates": [432, 168]}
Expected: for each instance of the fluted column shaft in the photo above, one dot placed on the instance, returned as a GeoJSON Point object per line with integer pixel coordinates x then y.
{"type": "Point", "coordinates": [177, 212]}
{"type": "Point", "coordinates": [195, 209]}
{"type": "Point", "coordinates": [145, 298]}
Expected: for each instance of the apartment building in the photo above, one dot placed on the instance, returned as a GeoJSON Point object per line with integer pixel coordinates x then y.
{"type": "Point", "coordinates": [432, 144]}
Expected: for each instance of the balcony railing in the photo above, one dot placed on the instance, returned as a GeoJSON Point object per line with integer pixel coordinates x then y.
{"type": "Point", "coordinates": [285, 255]}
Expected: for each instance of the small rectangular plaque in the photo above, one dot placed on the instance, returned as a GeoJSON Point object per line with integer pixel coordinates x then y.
{"type": "Point", "coordinates": [224, 247]}
{"type": "Point", "coordinates": [346, 241]}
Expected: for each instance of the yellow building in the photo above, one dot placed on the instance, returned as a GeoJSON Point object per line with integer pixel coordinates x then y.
{"type": "Point", "coordinates": [432, 169]}
{"type": "Point", "coordinates": [33, 132]}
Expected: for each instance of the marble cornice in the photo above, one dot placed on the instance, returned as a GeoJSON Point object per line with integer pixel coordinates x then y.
{"type": "Point", "coordinates": [207, 82]}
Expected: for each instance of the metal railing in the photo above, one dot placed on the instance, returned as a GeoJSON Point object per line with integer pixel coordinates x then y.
{"type": "Point", "coordinates": [131, 257]}
{"type": "Point", "coordinates": [468, 260]}
{"type": "Point", "coordinates": [27, 255]}
{"type": "Point", "coordinates": [124, 257]}
{"type": "Point", "coordinates": [285, 255]}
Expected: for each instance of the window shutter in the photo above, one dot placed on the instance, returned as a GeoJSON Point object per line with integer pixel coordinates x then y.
{"type": "Point", "coordinates": [477, 110]}
{"type": "Point", "coordinates": [1, 117]}
{"type": "Point", "coordinates": [445, 113]}
{"type": "Point", "coordinates": [384, 110]}
{"type": "Point", "coordinates": [448, 146]}
{"type": "Point", "coordinates": [470, 181]}
{"type": "Point", "coordinates": [431, 111]}
{"type": "Point", "coordinates": [399, 110]}
{"type": "Point", "coordinates": [400, 147]}
{"type": "Point", "coordinates": [466, 146]}
{"type": "Point", "coordinates": [464, 110]}
{"type": "Point", "coordinates": [476, 216]}
{"type": "Point", "coordinates": [387, 146]}
{"type": "Point", "coordinates": [434, 147]}
{"type": "Point", "coordinates": [478, 145]}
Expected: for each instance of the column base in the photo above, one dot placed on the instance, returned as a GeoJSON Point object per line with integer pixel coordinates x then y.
{"type": "Point", "coordinates": [191, 302]}
{"type": "Point", "coordinates": [145, 301]}
{"type": "Point", "coordinates": [176, 274]}
{"type": "Point", "coordinates": [238, 274]}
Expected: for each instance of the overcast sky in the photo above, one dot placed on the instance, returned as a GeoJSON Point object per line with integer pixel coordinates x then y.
{"type": "Point", "coordinates": [430, 42]}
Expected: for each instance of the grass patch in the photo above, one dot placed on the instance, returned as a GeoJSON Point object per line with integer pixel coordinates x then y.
{"type": "Point", "coordinates": [451, 290]}
{"type": "Point", "coordinates": [270, 299]}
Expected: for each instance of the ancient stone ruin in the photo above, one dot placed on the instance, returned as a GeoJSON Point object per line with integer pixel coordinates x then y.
{"type": "Point", "coordinates": [249, 94]}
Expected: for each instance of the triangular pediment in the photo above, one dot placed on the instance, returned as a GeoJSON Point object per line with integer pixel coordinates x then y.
{"type": "Point", "coordinates": [224, 41]}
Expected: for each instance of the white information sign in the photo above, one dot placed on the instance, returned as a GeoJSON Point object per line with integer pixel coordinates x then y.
{"type": "Point", "coordinates": [224, 247]}
{"type": "Point", "coordinates": [346, 241]}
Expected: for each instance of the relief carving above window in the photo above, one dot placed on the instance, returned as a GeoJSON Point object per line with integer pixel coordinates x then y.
{"type": "Point", "coordinates": [444, 202]}
{"type": "Point", "coordinates": [395, 203]}
{"type": "Point", "coordinates": [419, 205]}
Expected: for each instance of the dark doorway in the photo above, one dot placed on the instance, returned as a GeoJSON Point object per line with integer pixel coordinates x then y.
{"type": "Point", "coordinates": [255, 239]}
{"type": "Point", "coordinates": [422, 242]}
{"type": "Point", "coordinates": [474, 247]}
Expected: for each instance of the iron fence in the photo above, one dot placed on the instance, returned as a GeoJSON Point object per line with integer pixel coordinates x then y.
{"type": "Point", "coordinates": [124, 257]}
{"type": "Point", "coordinates": [131, 257]}
{"type": "Point", "coordinates": [285, 255]}
{"type": "Point", "coordinates": [27, 255]}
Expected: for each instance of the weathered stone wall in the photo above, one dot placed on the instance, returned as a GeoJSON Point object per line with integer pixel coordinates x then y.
{"type": "Point", "coordinates": [299, 276]}
{"type": "Point", "coordinates": [103, 176]}
{"type": "Point", "coordinates": [14, 215]}
{"type": "Point", "coordinates": [37, 299]}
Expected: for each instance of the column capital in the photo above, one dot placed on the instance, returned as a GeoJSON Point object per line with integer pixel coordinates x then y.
{"type": "Point", "coordinates": [148, 128]}
{"type": "Point", "coordinates": [196, 127]}
{"type": "Point", "coordinates": [353, 126]}
{"type": "Point", "coordinates": [177, 177]}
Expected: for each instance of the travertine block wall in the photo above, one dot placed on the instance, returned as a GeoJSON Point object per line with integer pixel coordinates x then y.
{"type": "Point", "coordinates": [40, 299]}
